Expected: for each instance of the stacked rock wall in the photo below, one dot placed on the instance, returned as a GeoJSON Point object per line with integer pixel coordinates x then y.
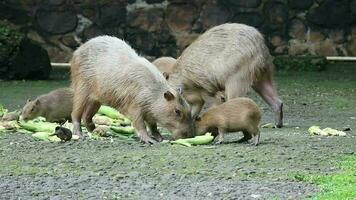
{"type": "Point", "coordinates": [166, 27]}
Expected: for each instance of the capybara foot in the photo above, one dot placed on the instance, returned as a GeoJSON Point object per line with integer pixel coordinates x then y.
{"type": "Point", "coordinates": [279, 117]}
{"type": "Point", "coordinates": [244, 139]}
{"type": "Point", "coordinates": [147, 140]}
{"type": "Point", "coordinates": [158, 137]}
{"type": "Point", "coordinates": [90, 126]}
{"type": "Point", "coordinates": [217, 142]}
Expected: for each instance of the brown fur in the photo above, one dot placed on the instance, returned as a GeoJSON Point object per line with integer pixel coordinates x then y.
{"type": "Point", "coordinates": [231, 58]}
{"type": "Point", "coordinates": [239, 114]}
{"type": "Point", "coordinates": [54, 106]}
{"type": "Point", "coordinates": [166, 66]}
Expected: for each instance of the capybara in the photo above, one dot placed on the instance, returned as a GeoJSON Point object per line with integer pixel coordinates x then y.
{"type": "Point", "coordinates": [239, 114]}
{"type": "Point", "coordinates": [55, 106]}
{"type": "Point", "coordinates": [231, 57]}
{"type": "Point", "coordinates": [63, 133]}
{"type": "Point", "coordinates": [166, 66]}
{"type": "Point", "coordinates": [106, 70]}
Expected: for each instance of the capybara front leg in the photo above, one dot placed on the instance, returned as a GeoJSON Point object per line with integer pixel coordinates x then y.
{"type": "Point", "coordinates": [220, 138]}
{"type": "Point", "coordinates": [142, 134]}
{"type": "Point", "coordinates": [266, 90]}
{"type": "Point", "coordinates": [155, 133]}
{"type": "Point", "coordinates": [89, 112]}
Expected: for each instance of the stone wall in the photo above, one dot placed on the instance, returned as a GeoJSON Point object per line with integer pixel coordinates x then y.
{"type": "Point", "coordinates": [165, 27]}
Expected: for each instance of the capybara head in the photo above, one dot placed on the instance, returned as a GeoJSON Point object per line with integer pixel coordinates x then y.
{"type": "Point", "coordinates": [31, 110]}
{"type": "Point", "coordinates": [202, 126]}
{"type": "Point", "coordinates": [175, 115]}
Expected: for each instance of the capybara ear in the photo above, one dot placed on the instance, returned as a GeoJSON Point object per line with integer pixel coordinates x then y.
{"type": "Point", "coordinates": [166, 75]}
{"type": "Point", "coordinates": [168, 96]}
{"type": "Point", "coordinates": [57, 128]}
{"type": "Point", "coordinates": [197, 118]}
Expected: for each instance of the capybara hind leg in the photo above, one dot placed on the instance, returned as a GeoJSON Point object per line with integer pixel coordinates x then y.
{"type": "Point", "coordinates": [139, 124]}
{"type": "Point", "coordinates": [89, 112]}
{"type": "Point", "coordinates": [78, 108]}
{"type": "Point", "coordinates": [154, 131]}
{"type": "Point", "coordinates": [247, 136]}
{"type": "Point", "coordinates": [266, 90]}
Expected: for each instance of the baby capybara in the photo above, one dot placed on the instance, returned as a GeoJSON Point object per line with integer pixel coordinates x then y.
{"type": "Point", "coordinates": [231, 57]}
{"type": "Point", "coordinates": [239, 114]}
{"type": "Point", "coordinates": [54, 106]}
{"type": "Point", "coordinates": [106, 70]}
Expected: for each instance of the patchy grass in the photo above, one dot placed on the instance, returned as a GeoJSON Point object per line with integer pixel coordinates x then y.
{"type": "Point", "coordinates": [340, 185]}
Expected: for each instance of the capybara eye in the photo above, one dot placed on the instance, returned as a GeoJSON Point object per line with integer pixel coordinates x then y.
{"type": "Point", "coordinates": [177, 112]}
{"type": "Point", "coordinates": [223, 99]}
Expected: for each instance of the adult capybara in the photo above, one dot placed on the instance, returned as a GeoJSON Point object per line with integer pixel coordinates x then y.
{"type": "Point", "coordinates": [231, 57]}
{"type": "Point", "coordinates": [166, 66]}
{"type": "Point", "coordinates": [106, 70]}
{"type": "Point", "coordinates": [55, 106]}
{"type": "Point", "coordinates": [238, 114]}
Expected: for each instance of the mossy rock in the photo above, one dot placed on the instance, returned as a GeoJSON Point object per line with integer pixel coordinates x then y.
{"type": "Point", "coordinates": [300, 63]}
{"type": "Point", "coordinates": [21, 58]}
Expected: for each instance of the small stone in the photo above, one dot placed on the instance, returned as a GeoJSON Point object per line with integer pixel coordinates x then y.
{"type": "Point", "coordinates": [351, 47]}
{"type": "Point", "coordinates": [300, 4]}
{"type": "Point", "coordinates": [337, 36]}
{"type": "Point", "coordinates": [111, 15]}
{"type": "Point", "coordinates": [250, 18]}
{"type": "Point", "coordinates": [331, 14]}
{"type": "Point", "coordinates": [213, 14]}
{"type": "Point", "coordinates": [69, 41]}
{"type": "Point", "coordinates": [296, 47]}
{"type": "Point", "coordinates": [56, 22]}
{"type": "Point", "coordinates": [315, 36]}
{"type": "Point", "coordinates": [276, 12]}
{"type": "Point", "coordinates": [180, 17]}
{"type": "Point", "coordinates": [146, 19]}
{"type": "Point", "coordinates": [277, 40]}
{"type": "Point", "coordinates": [297, 29]}
{"type": "Point", "coordinates": [245, 3]}
{"type": "Point", "coordinates": [325, 48]}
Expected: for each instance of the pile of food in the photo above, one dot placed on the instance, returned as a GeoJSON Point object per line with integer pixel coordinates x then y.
{"type": "Point", "coordinates": [109, 123]}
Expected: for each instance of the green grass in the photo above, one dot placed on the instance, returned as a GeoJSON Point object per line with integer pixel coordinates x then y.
{"type": "Point", "coordinates": [340, 186]}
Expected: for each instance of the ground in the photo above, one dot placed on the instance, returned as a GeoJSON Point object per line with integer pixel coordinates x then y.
{"type": "Point", "coordinates": [113, 169]}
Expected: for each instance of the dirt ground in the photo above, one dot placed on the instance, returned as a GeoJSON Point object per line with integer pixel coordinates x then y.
{"type": "Point", "coordinates": [115, 169]}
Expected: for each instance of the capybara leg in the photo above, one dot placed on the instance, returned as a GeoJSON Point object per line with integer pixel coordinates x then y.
{"type": "Point", "coordinates": [196, 108]}
{"type": "Point", "coordinates": [266, 90]}
{"type": "Point", "coordinates": [89, 112]}
{"type": "Point", "coordinates": [220, 138]}
{"type": "Point", "coordinates": [155, 133]}
{"type": "Point", "coordinates": [247, 136]}
{"type": "Point", "coordinates": [196, 102]}
{"type": "Point", "coordinates": [78, 108]}
{"type": "Point", "coordinates": [142, 134]}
